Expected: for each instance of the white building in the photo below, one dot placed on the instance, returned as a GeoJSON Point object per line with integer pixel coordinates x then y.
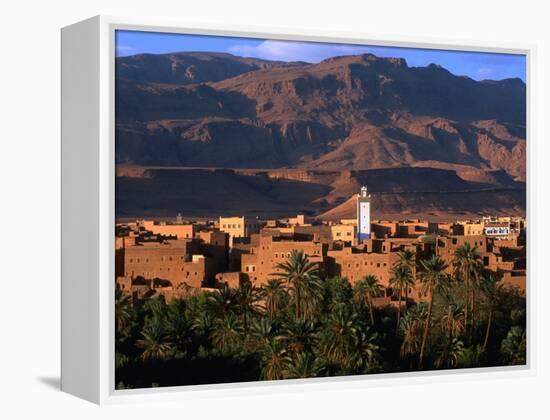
{"type": "Point", "coordinates": [363, 215]}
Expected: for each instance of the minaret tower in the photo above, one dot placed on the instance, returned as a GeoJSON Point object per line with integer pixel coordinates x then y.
{"type": "Point", "coordinates": [363, 215]}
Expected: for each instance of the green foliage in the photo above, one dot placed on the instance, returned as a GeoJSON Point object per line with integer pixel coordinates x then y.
{"type": "Point", "coordinates": [122, 385]}
{"type": "Point", "coordinates": [302, 325]}
{"type": "Point", "coordinates": [262, 331]}
{"type": "Point", "coordinates": [401, 280]}
{"type": "Point", "coordinates": [274, 360]}
{"type": "Point", "coordinates": [246, 301]}
{"type": "Point", "coordinates": [299, 335]}
{"type": "Point", "coordinates": [365, 290]}
{"type": "Point", "coordinates": [453, 320]}
{"type": "Point", "coordinates": [303, 282]}
{"type": "Point", "coordinates": [449, 355]}
{"type": "Point", "coordinates": [434, 281]}
{"type": "Point", "coordinates": [468, 266]}
{"type": "Point", "coordinates": [337, 290]}
{"type": "Point", "coordinates": [303, 365]}
{"type": "Point", "coordinates": [274, 297]}
{"type": "Point", "coordinates": [154, 341]}
{"type": "Point", "coordinates": [471, 357]}
{"type": "Point", "coordinates": [121, 360]}
{"type": "Point", "coordinates": [227, 334]}
{"type": "Point", "coordinates": [339, 338]}
{"type": "Point", "coordinates": [412, 328]}
{"type": "Point", "coordinates": [514, 346]}
{"type": "Point", "coordinates": [124, 314]}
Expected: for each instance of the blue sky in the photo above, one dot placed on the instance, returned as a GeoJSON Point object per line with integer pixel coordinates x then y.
{"type": "Point", "coordinates": [476, 65]}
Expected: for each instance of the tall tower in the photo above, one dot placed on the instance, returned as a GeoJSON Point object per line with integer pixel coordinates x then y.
{"type": "Point", "coordinates": [363, 215]}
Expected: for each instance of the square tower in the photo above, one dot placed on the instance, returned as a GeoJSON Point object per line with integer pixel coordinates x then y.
{"type": "Point", "coordinates": [363, 215]}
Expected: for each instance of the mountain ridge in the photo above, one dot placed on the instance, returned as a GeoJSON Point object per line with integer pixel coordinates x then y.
{"type": "Point", "coordinates": [345, 113]}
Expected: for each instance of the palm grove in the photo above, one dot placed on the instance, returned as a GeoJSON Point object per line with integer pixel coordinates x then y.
{"type": "Point", "coordinates": [302, 324]}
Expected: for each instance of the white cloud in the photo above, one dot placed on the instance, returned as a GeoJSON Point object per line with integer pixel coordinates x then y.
{"type": "Point", "coordinates": [485, 72]}
{"type": "Point", "coordinates": [124, 50]}
{"type": "Point", "coordinates": [296, 51]}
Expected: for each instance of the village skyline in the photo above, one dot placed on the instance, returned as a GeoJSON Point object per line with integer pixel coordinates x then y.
{"type": "Point", "coordinates": [291, 210]}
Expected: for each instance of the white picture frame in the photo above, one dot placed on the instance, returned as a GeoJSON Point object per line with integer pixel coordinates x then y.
{"type": "Point", "coordinates": [88, 172]}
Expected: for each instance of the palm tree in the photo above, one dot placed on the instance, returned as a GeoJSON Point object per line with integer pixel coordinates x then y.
{"type": "Point", "coordinates": [124, 312]}
{"type": "Point", "coordinates": [178, 327]}
{"type": "Point", "coordinates": [453, 321]}
{"type": "Point", "coordinates": [467, 267]}
{"type": "Point", "coordinates": [491, 288]}
{"type": "Point", "coordinates": [246, 302]}
{"type": "Point", "coordinates": [262, 332]}
{"type": "Point", "coordinates": [273, 294]}
{"type": "Point", "coordinates": [368, 351]}
{"type": "Point", "coordinates": [450, 354]}
{"type": "Point", "coordinates": [299, 335]}
{"type": "Point", "coordinates": [434, 281]}
{"type": "Point", "coordinates": [156, 309]}
{"type": "Point", "coordinates": [401, 279]}
{"type": "Point", "coordinates": [226, 336]}
{"type": "Point", "coordinates": [513, 347]}
{"type": "Point", "coordinates": [274, 360]}
{"type": "Point", "coordinates": [337, 290]}
{"type": "Point", "coordinates": [407, 258]}
{"type": "Point", "coordinates": [203, 323]}
{"type": "Point", "coordinates": [222, 301]}
{"type": "Point", "coordinates": [365, 290]}
{"type": "Point", "coordinates": [302, 279]}
{"type": "Point", "coordinates": [472, 356]}
{"type": "Point", "coordinates": [412, 327]}
{"type": "Point", "coordinates": [339, 338]}
{"type": "Point", "coordinates": [303, 365]}
{"type": "Point", "coordinates": [154, 342]}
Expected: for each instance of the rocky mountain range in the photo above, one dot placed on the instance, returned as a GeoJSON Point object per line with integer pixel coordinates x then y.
{"type": "Point", "coordinates": [328, 126]}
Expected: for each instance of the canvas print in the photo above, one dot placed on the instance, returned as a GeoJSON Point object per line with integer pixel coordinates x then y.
{"type": "Point", "coordinates": [290, 209]}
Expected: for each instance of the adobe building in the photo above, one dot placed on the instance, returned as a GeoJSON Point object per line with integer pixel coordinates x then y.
{"type": "Point", "coordinates": [318, 233]}
{"type": "Point", "coordinates": [375, 257]}
{"type": "Point", "coordinates": [308, 232]}
{"type": "Point", "coordinates": [468, 228]}
{"type": "Point", "coordinates": [510, 262]}
{"type": "Point", "coordinates": [443, 228]}
{"type": "Point", "coordinates": [238, 227]}
{"type": "Point", "coordinates": [447, 246]}
{"type": "Point", "coordinates": [214, 244]}
{"type": "Point", "coordinates": [232, 279]}
{"type": "Point", "coordinates": [299, 220]}
{"type": "Point", "coordinates": [515, 279]}
{"type": "Point", "coordinates": [354, 264]}
{"type": "Point", "coordinates": [497, 230]}
{"type": "Point", "coordinates": [259, 264]}
{"type": "Point", "coordinates": [238, 249]}
{"type": "Point", "coordinates": [384, 229]}
{"type": "Point", "coordinates": [177, 261]}
{"type": "Point", "coordinates": [412, 228]}
{"type": "Point", "coordinates": [344, 232]}
{"type": "Point", "coordinates": [179, 231]}
{"type": "Point", "coordinates": [403, 228]}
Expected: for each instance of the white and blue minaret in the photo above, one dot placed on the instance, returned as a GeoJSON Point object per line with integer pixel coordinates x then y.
{"type": "Point", "coordinates": [363, 215]}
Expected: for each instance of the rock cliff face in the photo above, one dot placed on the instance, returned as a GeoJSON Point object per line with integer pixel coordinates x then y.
{"type": "Point", "coordinates": [189, 67]}
{"type": "Point", "coordinates": [350, 113]}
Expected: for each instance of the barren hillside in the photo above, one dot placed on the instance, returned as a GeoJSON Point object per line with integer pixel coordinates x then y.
{"type": "Point", "coordinates": [335, 121]}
